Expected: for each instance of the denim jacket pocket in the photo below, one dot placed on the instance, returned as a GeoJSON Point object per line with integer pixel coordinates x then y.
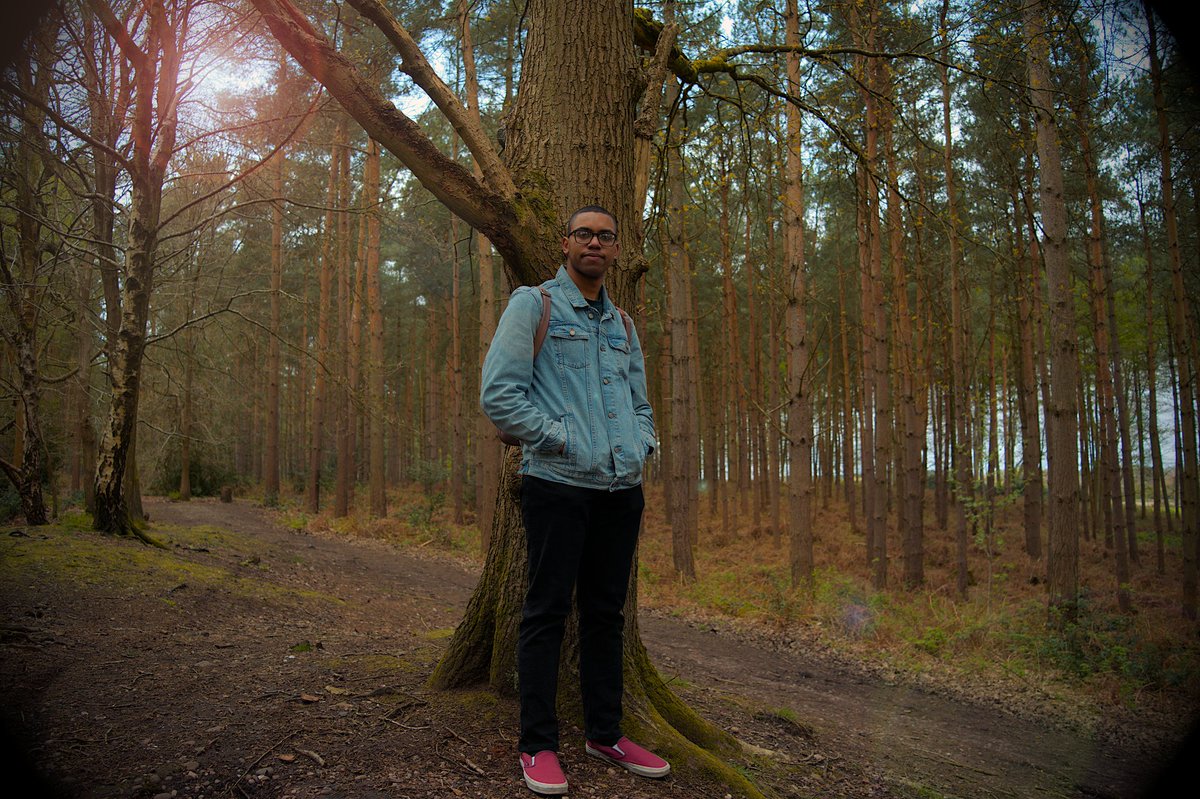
{"type": "Point", "coordinates": [621, 350]}
{"type": "Point", "coordinates": [570, 343]}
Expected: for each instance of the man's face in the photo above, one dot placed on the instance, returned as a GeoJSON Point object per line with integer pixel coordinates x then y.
{"type": "Point", "coordinates": [591, 260]}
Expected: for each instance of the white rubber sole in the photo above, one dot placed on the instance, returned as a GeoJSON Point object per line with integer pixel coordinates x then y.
{"type": "Point", "coordinates": [641, 771]}
{"type": "Point", "coordinates": [544, 788]}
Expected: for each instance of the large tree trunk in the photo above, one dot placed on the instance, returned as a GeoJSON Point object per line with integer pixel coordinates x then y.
{"type": "Point", "coordinates": [556, 161]}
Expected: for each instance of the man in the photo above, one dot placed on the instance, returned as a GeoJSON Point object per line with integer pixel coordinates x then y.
{"type": "Point", "coordinates": [585, 425]}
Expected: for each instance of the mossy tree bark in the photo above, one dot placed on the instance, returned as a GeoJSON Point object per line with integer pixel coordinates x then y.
{"type": "Point", "coordinates": [570, 141]}
{"type": "Point", "coordinates": [23, 289]}
{"type": "Point", "coordinates": [154, 64]}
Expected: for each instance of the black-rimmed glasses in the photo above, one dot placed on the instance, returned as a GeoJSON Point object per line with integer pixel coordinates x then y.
{"type": "Point", "coordinates": [583, 236]}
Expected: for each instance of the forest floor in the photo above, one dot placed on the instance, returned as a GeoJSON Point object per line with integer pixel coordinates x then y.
{"type": "Point", "coordinates": [253, 660]}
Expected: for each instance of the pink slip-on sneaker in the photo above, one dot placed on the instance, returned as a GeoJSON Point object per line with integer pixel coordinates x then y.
{"type": "Point", "coordinates": [543, 774]}
{"type": "Point", "coordinates": [628, 755]}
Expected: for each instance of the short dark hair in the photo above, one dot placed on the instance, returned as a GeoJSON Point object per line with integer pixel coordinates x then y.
{"type": "Point", "coordinates": [592, 209]}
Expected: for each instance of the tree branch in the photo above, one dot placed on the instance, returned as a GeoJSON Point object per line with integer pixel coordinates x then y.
{"type": "Point", "coordinates": [249, 170]}
{"type": "Point", "coordinates": [414, 64]}
{"type": "Point", "coordinates": [63, 123]}
{"type": "Point", "coordinates": [118, 31]}
{"type": "Point", "coordinates": [452, 184]}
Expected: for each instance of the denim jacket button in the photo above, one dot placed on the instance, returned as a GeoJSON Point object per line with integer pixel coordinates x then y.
{"type": "Point", "coordinates": [572, 331]}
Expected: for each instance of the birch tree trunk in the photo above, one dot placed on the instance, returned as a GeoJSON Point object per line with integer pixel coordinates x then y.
{"type": "Point", "coordinates": [155, 66]}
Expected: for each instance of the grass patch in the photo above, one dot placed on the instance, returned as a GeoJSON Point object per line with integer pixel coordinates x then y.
{"type": "Point", "coordinates": [68, 552]}
{"type": "Point", "coordinates": [999, 630]}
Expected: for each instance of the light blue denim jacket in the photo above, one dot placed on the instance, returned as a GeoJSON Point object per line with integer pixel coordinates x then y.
{"type": "Point", "coordinates": [581, 410]}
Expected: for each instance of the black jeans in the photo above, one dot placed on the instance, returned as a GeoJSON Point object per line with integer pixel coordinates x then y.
{"type": "Point", "coordinates": [581, 539]}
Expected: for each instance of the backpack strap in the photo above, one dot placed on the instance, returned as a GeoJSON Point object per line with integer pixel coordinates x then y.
{"type": "Point", "coordinates": [539, 337]}
{"type": "Point", "coordinates": [628, 325]}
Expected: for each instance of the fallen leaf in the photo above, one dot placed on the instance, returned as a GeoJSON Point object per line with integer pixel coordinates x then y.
{"type": "Point", "coordinates": [309, 698]}
{"type": "Point", "coordinates": [333, 689]}
{"type": "Point", "coordinates": [288, 758]}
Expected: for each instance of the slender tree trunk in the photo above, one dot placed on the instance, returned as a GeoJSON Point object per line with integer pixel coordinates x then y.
{"type": "Point", "coordinates": [487, 446]}
{"type": "Point", "coordinates": [324, 323]}
{"type": "Point", "coordinates": [343, 410]}
{"type": "Point", "coordinates": [848, 476]}
{"type": "Point", "coordinates": [684, 458]}
{"type": "Point", "coordinates": [1157, 481]}
{"type": "Point", "coordinates": [1189, 493]}
{"type": "Point", "coordinates": [912, 433]}
{"type": "Point", "coordinates": [1114, 412]}
{"type": "Point", "coordinates": [1031, 439]}
{"type": "Point", "coordinates": [458, 436]}
{"type": "Point", "coordinates": [799, 399]}
{"type": "Point", "coordinates": [271, 465]}
{"type": "Point", "coordinates": [155, 69]}
{"type": "Point", "coordinates": [757, 435]}
{"type": "Point", "coordinates": [376, 431]}
{"type": "Point", "coordinates": [961, 393]}
{"type": "Point", "coordinates": [1063, 560]}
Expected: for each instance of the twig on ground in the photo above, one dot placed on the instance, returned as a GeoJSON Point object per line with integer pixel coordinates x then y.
{"type": "Point", "coordinates": [459, 737]}
{"type": "Point", "coordinates": [257, 760]}
{"type": "Point", "coordinates": [313, 756]}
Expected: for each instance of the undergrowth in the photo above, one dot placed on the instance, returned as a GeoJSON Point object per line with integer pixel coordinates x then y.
{"type": "Point", "coordinates": [1000, 628]}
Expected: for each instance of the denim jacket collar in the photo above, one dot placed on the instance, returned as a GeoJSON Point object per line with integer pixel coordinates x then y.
{"type": "Point", "coordinates": [573, 295]}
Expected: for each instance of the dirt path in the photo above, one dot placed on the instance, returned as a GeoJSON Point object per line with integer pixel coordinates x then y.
{"type": "Point", "coordinates": [286, 664]}
{"type": "Point", "coordinates": [901, 735]}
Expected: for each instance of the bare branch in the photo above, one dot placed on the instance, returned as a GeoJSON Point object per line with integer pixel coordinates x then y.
{"type": "Point", "coordinates": [63, 123]}
{"type": "Point", "coordinates": [118, 31]}
{"type": "Point", "coordinates": [484, 209]}
{"type": "Point", "coordinates": [414, 64]}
